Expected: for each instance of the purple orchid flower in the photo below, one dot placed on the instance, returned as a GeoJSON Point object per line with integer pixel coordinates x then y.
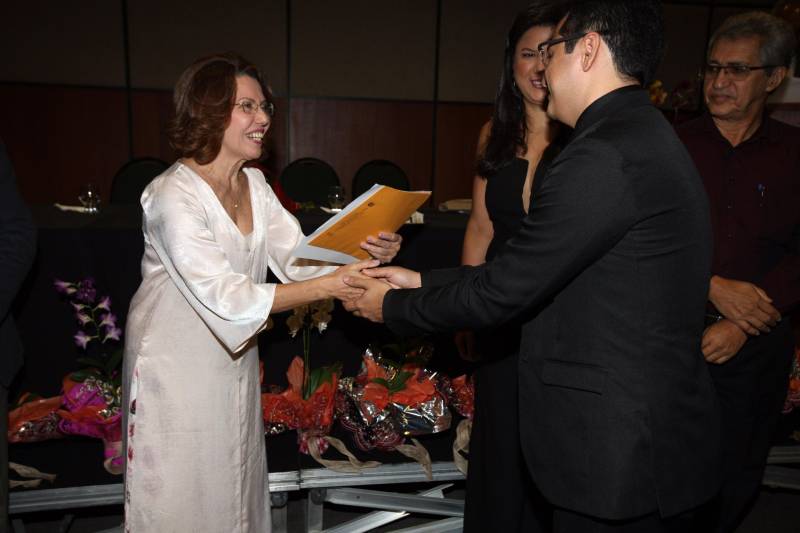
{"type": "Point", "coordinates": [64, 287]}
{"type": "Point", "coordinates": [113, 333]}
{"type": "Point", "coordinates": [108, 319]}
{"type": "Point", "coordinates": [105, 303]}
{"type": "Point", "coordinates": [77, 307]}
{"type": "Point", "coordinates": [83, 318]}
{"type": "Point", "coordinates": [86, 293]}
{"type": "Point", "coordinates": [82, 339]}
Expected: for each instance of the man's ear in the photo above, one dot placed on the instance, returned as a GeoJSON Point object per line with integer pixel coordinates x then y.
{"type": "Point", "coordinates": [775, 79]}
{"type": "Point", "coordinates": [589, 47]}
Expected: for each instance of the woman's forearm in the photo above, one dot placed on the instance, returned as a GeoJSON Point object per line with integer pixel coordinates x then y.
{"type": "Point", "coordinates": [476, 243]}
{"type": "Point", "coordinates": [291, 295]}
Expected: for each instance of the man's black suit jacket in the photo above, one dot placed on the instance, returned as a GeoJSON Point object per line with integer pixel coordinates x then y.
{"type": "Point", "coordinates": [17, 249]}
{"type": "Point", "coordinates": [610, 274]}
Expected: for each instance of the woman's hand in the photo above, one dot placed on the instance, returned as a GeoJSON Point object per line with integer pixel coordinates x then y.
{"type": "Point", "coordinates": [384, 248]}
{"type": "Point", "coordinates": [290, 295]}
{"type": "Point", "coordinates": [334, 284]}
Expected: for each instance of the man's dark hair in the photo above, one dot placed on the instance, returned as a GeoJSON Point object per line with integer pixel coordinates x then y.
{"type": "Point", "coordinates": [632, 29]}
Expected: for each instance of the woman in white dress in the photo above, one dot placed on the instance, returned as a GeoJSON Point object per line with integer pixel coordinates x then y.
{"type": "Point", "coordinates": [196, 459]}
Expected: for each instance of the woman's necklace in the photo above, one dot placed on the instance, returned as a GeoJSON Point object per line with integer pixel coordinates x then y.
{"type": "Point", "coordinates": [215, 180]}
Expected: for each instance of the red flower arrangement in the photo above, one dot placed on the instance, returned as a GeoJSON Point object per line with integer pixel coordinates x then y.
{"type": "Point", "coordinates": [307, 403]}
{"type": "Point", "coordinates": [407, 386]}
{"type": "Point", "coordinates": [388, 402]}
{"type": "Point", "coordinates": [312, 416]}
{"type": "Point", "coordinates": [793, 395]}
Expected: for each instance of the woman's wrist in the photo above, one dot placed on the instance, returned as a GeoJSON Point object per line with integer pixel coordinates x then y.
{"type": "Point", "coordinates": [323, 287]}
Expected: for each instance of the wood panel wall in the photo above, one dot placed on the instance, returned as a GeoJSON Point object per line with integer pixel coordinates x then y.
{"type": "Point", "coordinates": [153, 110]}
{"type": "Point", "coordinates": [362, 76]}
{"type": "Point", "coordinates": [458, 126]}
{"type": "Point", "coordinates": [62, 137]}
{"type": "Point", "coordinates": [348, 133]}
{"type": "Point", "coordinates": [82, 136]}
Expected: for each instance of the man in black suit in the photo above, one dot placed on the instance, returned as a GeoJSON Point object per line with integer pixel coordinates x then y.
{"type": "Point", "coordinates": [17, 249]}
{"type": "Point", "coordinates": [610, 273]}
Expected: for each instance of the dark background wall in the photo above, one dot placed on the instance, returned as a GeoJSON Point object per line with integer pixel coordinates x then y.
{"type": "Point", "coordinates": [86, 85]}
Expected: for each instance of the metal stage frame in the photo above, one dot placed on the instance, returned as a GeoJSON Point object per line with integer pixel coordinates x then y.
{"type": "Point", "coordinates": [322, 485]}
{"type": "Point", "coordinates": [782, 477]}
{"type": "Point", "coordinates": [326, 486]}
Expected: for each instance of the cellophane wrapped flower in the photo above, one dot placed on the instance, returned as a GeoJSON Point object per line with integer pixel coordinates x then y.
{"type": "Point", "coordinates": [90, 403]}
{"type": "Point", "coordinates": [91, 408]}
{"type": "Point", "coordinates": [312, 417]}
{"type": "Point", "coordinates": [387, 402]}
{"type": "Point", "coordinates": [460, 392]}
{"type": "Point", "coordinates": [793, 395]}
{"type": "Point", "coordinates": [92, 396]}
{"type": "Point", "coordinates": [34, 419]}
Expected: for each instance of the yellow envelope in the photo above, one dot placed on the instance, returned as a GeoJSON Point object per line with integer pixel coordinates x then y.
{"type": "Point", "coordinates": [381, 208]}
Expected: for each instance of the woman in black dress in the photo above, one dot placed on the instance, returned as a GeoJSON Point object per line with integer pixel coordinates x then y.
{"type": "Point", "coordinates": [514, 149]}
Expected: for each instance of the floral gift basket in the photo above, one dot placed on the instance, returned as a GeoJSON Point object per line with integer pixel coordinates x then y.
{"type": "Point", "coordinates": [90, 401]}
{"type": "Point", "coordinates": [388, 403]}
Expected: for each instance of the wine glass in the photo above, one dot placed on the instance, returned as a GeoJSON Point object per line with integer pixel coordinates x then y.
{"type": "Point", "coordinates": [336, 198]}
{"type": "Point", "coordinates": [89, 198]}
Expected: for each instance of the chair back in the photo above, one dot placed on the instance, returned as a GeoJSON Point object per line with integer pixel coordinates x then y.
{"type": "Point", "coordinates": [132, 178]}
{"type": "Point", "coordinates": [379, 171]}
{"type": "Point", "coordinates": [308, 180]}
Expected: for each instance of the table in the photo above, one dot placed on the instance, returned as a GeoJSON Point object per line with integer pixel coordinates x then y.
{"type": "Point", "coordinates": [108, 247]}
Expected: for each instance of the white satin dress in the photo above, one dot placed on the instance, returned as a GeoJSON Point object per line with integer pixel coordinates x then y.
{"type": "Point", "coordinates": [196, 459]}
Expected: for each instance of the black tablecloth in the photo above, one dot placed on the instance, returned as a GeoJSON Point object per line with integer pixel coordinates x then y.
{"type": "Point", "coordinates": [108, 247]}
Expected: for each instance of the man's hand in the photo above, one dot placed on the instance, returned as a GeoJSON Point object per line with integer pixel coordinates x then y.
{"type": "Point", "coordinates": [722, 341]}
{"type": "Point", "coordinates": [370, 304]}
{"type": "Point", "coordinates": [743, 303]}
{"type": "Point", "coordinates": [397, 277]}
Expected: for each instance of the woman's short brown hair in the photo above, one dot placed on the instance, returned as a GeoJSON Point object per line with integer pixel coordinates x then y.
{"type": "Point", "coordinates": [204, 98]}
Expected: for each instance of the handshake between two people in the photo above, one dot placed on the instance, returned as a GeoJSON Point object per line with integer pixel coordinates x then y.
{"type": "Point", "coordinates": [361, 286]}
{"type": "Point", "coordinates": [365, 284]}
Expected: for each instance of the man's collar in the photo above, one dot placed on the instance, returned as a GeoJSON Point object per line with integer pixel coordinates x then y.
{"type": "Point", "coordinates": [611, 103]}
{"type": "Point", "coordinates": [764, 131]}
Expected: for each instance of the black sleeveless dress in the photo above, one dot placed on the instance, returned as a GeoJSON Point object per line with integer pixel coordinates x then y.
{"type": "Point", "coordinates": [500, 494]}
